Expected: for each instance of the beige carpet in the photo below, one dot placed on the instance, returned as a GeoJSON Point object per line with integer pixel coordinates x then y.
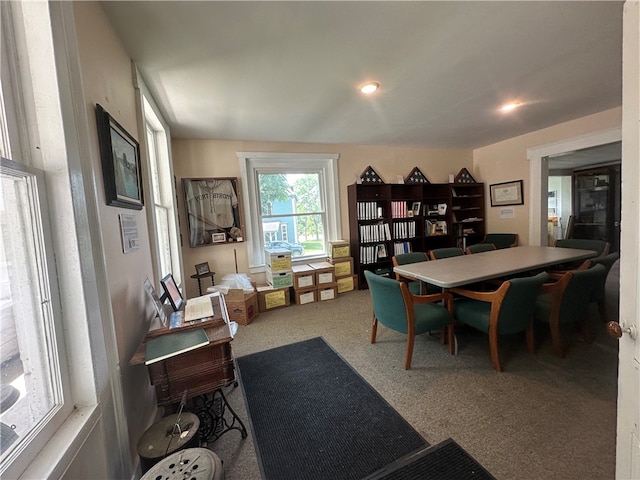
{"type": "Point", "coordinates": [542, 418]}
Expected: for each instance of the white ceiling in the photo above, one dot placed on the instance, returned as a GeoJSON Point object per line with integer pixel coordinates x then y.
{"type": "Point", "coordinates": [288, 71]}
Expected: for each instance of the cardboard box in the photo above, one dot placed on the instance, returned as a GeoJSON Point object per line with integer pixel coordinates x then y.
{"type": "Point", "coordinates": [339, 249]}
{"type": "Point", "coordinates": [241, 307]}
{"type": "Point", "coordinates": [304, 277]}
{"type": "Point", "coordinates": [279, 279]}
{"type": "Point", "coordinates": [327, 293]}
{"type": "Point", "coordinates": [346, 284]}
{"type": "Point", "coordinates": [343, 266]}
{"type": "Point", "coordinates": [302, 297]}
{"type": "Point", "coordinates": [270, 298]}
{"type": "Point", "coordinates": [325, 273]}
{"type": "Point", "coordinates": [277, 259]}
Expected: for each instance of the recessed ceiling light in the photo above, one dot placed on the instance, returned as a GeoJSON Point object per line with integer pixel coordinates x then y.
{"type": "Point", "coordinates": [369, 87]}
{"type": "Point", "coordinates": [508, 107]}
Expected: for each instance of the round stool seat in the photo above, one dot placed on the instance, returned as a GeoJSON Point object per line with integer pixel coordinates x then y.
{"type": "Point", "coordinates": [185, 464]}
{"type": "Point", "coordinates": [164, 438]}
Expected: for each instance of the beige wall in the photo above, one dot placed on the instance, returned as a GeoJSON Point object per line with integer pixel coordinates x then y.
{"type": "Point", "coordinates": [214, 158]}
{"type": "Point", "coordinates": [107, 80]}
{"type": "Point", "coordinates": [507, 160]}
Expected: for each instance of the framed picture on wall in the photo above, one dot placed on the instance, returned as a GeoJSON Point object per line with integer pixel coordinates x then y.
{"type": "Point", "coordinates": [214, 213]}
{"type": "Point", "coordinates": [120, 157]}
{"type": "Point", "coordinates": [507, 193]}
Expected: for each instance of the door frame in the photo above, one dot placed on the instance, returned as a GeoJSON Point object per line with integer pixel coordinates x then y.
{"type": "Point", "coordinates": [539, 175]}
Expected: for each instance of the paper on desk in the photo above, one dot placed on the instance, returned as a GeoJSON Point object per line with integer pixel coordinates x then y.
{"type": "Point", "coordinates": [197, 308]}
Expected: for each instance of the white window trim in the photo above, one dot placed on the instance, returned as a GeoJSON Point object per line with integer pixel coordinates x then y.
{"type": "Point", "coordinates": [159, 124]}
{"type": "Point", "coordinates": [251, 162]}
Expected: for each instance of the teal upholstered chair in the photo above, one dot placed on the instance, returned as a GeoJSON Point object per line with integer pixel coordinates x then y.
{"type": "Point", "coordinates": [598, 293]}
{"type": "Point", "coordinates": [566, 301]}
{"type": "Point", "coordinates": [479, 247]}
{"type": "Point", "coordinates": [438, 253]}
{"type": "Point", "coordinates": [396, 308]}
{"type": "Point", "coordinates": [501, 240]}
{"type": "Point", "coordinates": [507, 310]}
{"type": "Point", "coordinates": [601, 247]}
{"type": "Point", "coordinates": [415, 286]}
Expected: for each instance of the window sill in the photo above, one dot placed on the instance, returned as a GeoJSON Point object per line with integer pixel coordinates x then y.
{"type": "Point", "coordinates": [54, 459]}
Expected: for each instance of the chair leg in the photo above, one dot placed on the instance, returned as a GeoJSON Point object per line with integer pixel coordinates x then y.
{"type": "Point", "coordinates": [531, 339]}
{"type": "Point", "coordinates": [374, 328]}
{"type": "Point", "coordinates": [408, 356]}
{"type": "Point", "coordinates": [556, 341]}
{"type": "Point", "coordinates": [451, 336]}
{"type": "Point", "coordinates": [493, 347]}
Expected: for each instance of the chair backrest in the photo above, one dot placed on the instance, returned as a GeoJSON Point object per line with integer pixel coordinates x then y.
{"type": "Point", "coordinates": [388, 303]}
{"type": "Point", "coordinates": [607, 261]}
{"type": "Point", "coordinates": [446, 252]}
{"type": "Point", "coordinates": [519, 303]}
{"type": "Point", "coordinates": [599, 246]}
{"type": "Point", "coordinates": [479, 247]}
{"type": "Point", "coordinates": [406, 258]}
{"type": "Point", "coordinates": [501, 240]}
{"type": "Point", "coordinates": [578, 292]}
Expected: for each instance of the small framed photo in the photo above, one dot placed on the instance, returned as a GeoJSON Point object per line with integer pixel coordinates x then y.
{"type": "Point", "coordinates": [416, 208]}
{"type": "Point", "coordinates": [120, 156]}
{"type": "Point", "coordinates": [202, 268]}
{"type": "Point", "coordinates": [506, 193]}
{"type": "Point", "coordinates": [218, 237]}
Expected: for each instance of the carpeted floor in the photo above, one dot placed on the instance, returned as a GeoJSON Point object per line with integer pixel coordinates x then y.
{"type": "Point", "coordinates": [542, 418]}
{"type": "Point", "coordinates": [314, 418]}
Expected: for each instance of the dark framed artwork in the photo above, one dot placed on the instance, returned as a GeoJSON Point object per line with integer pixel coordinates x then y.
{"type": "Point", "coordinates": [214, 213]}
{"type": "Point", "coordinates": [507, 193]}
{"type": "Point", "coordinates": [120, 156]}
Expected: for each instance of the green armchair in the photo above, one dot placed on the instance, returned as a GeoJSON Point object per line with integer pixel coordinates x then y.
{"type": "Point", "coordinates": [507, 310]}
{"type": "Point", "coordinates": [566, 301]}
{"type": "Point", "coordinates": [598, 295]}
{"type": "Point", "coordinates": [479, 247]}
{"type": "Point", "coordinates": [501, 240]}
{"type": "Point", "coordinates": [446, 252]}
{"type": "Point", "coordinates": [396, 308]}
{"type": "Point", "coordinates": [601, 247]}
{"type": "Point", "coordinates": [415, 286]}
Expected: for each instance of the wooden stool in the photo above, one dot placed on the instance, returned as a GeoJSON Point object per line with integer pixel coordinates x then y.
{"type": "Point", "coordinates": [185, 463]}
{"type": "Point", "coordinates": [166, 436]}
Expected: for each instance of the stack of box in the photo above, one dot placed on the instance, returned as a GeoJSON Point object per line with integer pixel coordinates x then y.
{"type": "Point", "coordinates": [325, 279]}
{"type": "Point", "coordinates": [304, 284]}
{"type": "Point", "coordinates": [339, 257]}
{"type": "Point", "coordinates": [279, 275]}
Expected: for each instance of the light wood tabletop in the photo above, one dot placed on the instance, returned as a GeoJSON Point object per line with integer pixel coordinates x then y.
{"type": "Point", "coordinates": [466, 269]}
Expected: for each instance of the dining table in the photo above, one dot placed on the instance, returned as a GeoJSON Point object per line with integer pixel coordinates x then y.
{"type": "Point", "coordinates": [467, 269]}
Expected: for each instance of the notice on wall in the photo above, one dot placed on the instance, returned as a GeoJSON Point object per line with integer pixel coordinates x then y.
{"type": "Point", "coordinates": [507, 213]}
{"type": "Point", "coordinates": [129, 231]}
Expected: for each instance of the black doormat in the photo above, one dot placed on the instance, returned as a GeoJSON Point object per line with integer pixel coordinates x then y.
{"type": "Point", "coordinates": [445, 461]}
{"type": "Point", "coordinates": [314, 417]}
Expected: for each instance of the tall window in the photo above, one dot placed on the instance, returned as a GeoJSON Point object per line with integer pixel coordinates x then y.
{"type": "Point", "coordinates": [35, 387]}
{"type": "Point", "coordinates": [293, 203]}
{"type": "Point", "coordinates": [163, 216]}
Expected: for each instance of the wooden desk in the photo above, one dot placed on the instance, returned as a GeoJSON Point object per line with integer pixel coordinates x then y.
{"type": "Point", "coordinates": [198, 371]}
{"type": "Point", "coordinates": [466, 269]}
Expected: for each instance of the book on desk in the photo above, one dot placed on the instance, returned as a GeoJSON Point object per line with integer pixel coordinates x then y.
{"type": "Point", "coordinates": [172, 344]}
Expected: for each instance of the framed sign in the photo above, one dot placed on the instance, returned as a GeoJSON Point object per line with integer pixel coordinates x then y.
{"type": "Point", "coordinates": [120, 156]}
{"type": "Point", "coordinates": [214, 214]}
{"type": "Point", "coordinates": [507, 193]}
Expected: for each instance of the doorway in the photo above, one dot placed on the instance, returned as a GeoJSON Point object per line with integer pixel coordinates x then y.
{"type": "Point", "coordinates": [584, 194]}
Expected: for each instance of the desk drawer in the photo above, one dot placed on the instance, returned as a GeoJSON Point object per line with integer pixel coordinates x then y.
{"type": "Point", "coordinates": [204, 382]}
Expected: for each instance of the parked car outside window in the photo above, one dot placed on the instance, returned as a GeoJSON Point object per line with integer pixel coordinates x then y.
{"type": "Point", "coordinates": [295, 249]}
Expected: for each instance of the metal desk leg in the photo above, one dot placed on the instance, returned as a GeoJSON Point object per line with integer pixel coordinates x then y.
{"type": "Point", "coordinates": [216, 416]}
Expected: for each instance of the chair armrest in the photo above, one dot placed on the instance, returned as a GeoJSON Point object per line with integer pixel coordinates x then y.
{"type": "Point", "coordinates": [481, 296]}
{"type": "Point", "coordinates": [431, 298]}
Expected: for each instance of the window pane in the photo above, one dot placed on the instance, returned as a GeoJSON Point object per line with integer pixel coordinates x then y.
{"type": "Point", "coordinates": [292, 216]}
{"type": "Point", "coordinates": [164, 246]}
{"type": "Point", "coordinates": [31, 385]}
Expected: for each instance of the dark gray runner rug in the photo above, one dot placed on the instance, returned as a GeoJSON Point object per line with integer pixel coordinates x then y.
{"type": "Point", "coordinates": [314, 417]}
